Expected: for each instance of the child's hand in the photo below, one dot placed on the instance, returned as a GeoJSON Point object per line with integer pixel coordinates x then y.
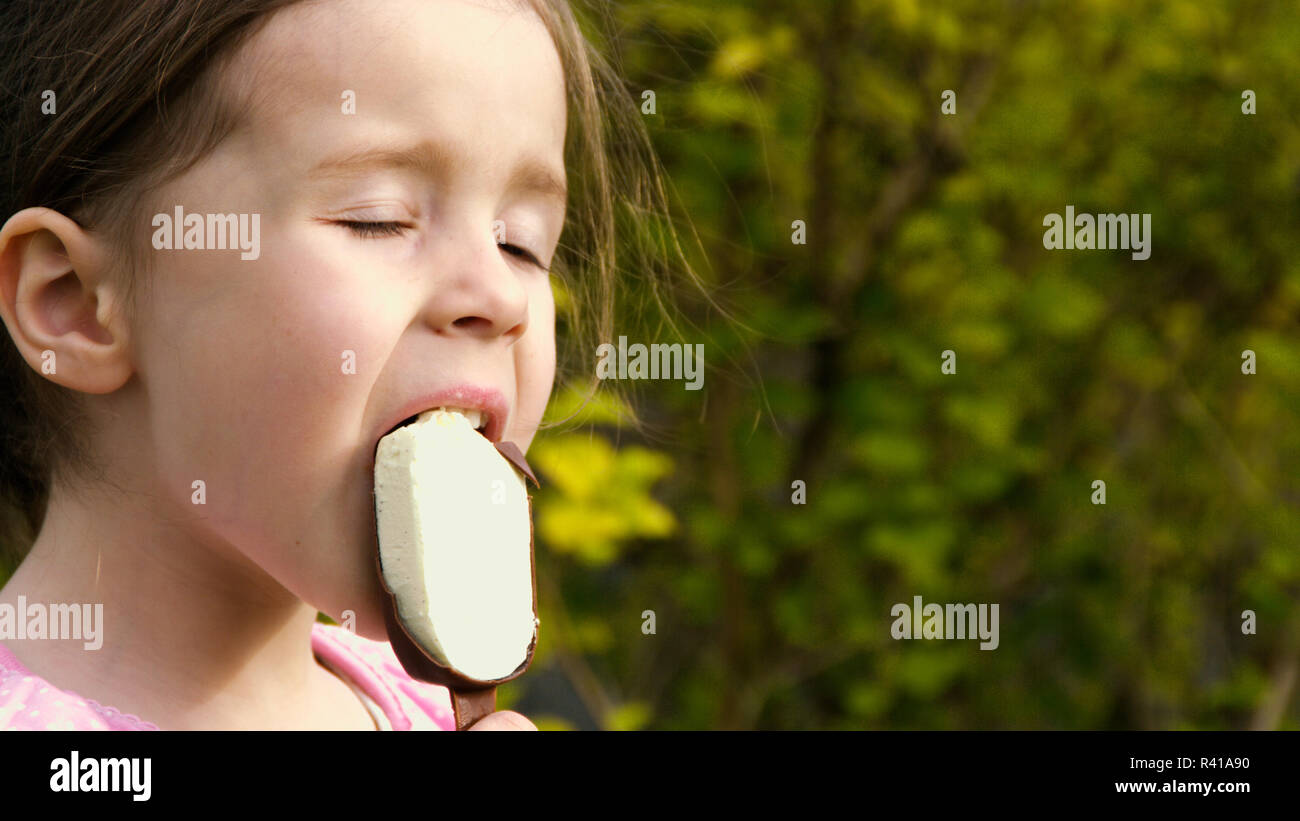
{"type": "Point", "coordinates": [504, 720]}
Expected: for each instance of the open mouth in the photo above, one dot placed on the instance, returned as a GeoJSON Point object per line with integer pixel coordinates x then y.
{"type": "Point", "coordinates": [488, 422]}
{"type": "Point", "coordinates": [478, 419]}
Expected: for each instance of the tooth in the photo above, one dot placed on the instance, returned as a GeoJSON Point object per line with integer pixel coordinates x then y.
{"type": "Point", "coordinates": [455, 551]}
{"type": "Point", "coordinates": [451, 416]}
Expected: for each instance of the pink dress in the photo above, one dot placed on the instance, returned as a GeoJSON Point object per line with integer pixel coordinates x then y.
{"type": "Point", "coordinates": [394, 699]}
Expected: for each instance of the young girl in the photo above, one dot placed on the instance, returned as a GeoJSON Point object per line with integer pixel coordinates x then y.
{"type": "Point", "coordinates": [191, 404]}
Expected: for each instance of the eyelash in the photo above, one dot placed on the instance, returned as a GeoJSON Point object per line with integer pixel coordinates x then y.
{"type": "Point", "coordinates": [393, 229]}
{"type": "Point", "coordinates": [374, 229]}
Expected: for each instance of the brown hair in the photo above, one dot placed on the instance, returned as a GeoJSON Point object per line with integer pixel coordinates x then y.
{"type": "Point", "coordinates": [142, 94]}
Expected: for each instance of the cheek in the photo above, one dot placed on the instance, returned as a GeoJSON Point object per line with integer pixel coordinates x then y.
{"type": "Point", "coordinates": [257, 378]}
{"type": "Point", "coordinates": [534, 366]}
{"type": "Point", "coordinates": [542, 323]}
{"type": "Point", "coordinates": [257, 386]}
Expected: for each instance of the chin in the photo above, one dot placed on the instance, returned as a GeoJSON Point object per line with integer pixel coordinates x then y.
{"type": "Point", "coordinates": [368, 624]}
{"type": "Point", "coordinates": [366, 603]}
{"type": "Point", "coordinates": [374, 632]}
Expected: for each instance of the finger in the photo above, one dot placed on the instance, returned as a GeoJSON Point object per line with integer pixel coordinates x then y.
{"type": "Point", "coordinates": [504, 720]}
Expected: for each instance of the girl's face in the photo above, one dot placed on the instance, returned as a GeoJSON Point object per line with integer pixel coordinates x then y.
{"type": "Point", "coordinates": [404, 159]}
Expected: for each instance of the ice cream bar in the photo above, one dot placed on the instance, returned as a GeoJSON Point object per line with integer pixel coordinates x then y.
{"type": "Point", "coordinates": [455, 554]}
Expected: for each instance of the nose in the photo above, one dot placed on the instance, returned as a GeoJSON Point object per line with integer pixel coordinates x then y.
{"type": "Point", "coordinates": [477, 292]}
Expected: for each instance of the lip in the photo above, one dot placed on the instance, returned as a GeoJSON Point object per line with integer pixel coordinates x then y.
{"type": "Point", "coordinates": [468, 396]}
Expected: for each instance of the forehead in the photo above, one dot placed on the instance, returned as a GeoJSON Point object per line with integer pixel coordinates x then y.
{"type": "Point", "coordinates": [483, 80]}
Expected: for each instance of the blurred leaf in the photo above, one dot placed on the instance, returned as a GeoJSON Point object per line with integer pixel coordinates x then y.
{"type": "Point", "coordinates": [550, 722]}
{"type": "Point", "coordinates": [598, 498]}
{"type": "Point", "coordinates": [630, 716]}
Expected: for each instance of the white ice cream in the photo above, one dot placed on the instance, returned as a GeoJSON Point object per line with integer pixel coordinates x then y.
{"type": "Point", "coordinates": [455, 544]}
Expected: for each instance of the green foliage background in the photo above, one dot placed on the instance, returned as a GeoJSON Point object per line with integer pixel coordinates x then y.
{"type": "Point", "coordinates": [924, 233]}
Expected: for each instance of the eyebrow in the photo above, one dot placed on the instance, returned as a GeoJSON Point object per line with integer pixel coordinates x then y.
{"type": "Point", "coordinates": [434, 159]}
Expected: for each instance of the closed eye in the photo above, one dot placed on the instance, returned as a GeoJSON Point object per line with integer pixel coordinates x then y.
{"type": "Point", "coordinates": [393, 229]}
{"type": "Point", "coordinates": [522, 253]}
{"type": "Point", "coordinates": [374, 229]}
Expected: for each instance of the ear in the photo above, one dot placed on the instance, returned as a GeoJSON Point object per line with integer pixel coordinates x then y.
{"type": "Point", "coordinates": [61, 312]}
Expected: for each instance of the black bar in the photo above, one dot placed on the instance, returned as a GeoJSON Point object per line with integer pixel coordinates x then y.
{"type": "Point", "coordinates": [995, 769]}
